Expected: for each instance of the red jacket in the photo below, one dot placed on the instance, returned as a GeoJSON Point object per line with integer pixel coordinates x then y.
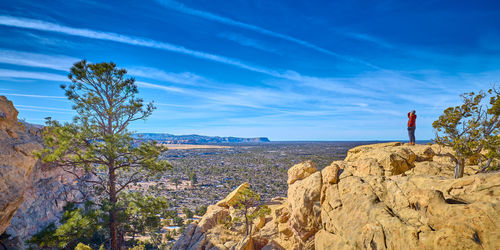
{"type": "Point", "coordinates": [411, 119]}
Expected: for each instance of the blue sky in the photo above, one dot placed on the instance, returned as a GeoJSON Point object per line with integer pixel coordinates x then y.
{"type": "Point", "coordinates": [287, 70]}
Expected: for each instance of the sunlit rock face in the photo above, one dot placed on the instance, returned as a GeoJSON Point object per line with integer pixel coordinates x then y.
{"type": "Point", "coordinates": [382, 196]}
{"type": "Point", "coordinates": [32, 194]}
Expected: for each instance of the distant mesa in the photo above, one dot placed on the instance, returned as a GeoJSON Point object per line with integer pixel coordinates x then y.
{"type": "Point", "coordinates": [195, 139]}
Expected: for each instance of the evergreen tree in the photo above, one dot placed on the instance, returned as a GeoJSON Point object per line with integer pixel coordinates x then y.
{"type": "Point", "coordinates": [189, 214]}
{"type": "Point", "coordinates": [201, 210]}
{"type": "Point", "coordinates": [78, 225]}
{"type": "Point", "coordinates": [193, 178]}
{"type": "Point", "coordinates": [248, 202]}
{"type": "Point", "coordinates": [471, 128]}
{"type": "Point", "coordinates": [96, 146]}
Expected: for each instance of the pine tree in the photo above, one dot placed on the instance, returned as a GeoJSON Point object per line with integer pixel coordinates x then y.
{"type": "Point", "coordinates": [249, 203]}
{"type": "Point", "coordinates": [96, 146]}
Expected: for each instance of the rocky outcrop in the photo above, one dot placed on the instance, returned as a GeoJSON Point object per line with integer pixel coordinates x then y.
{"type": "Point", "coordinates": [32, 194]}
{"type": "Point", "coordinates": [233, 195]}
{"type": "Point", "coordinates": [303, 200]}
{"type": "Point", "coordinates": [44, 200]}
{"type": "Point", "coordinates": [382, 196]}
{"type": "Point", "coordinates": [16, 161]}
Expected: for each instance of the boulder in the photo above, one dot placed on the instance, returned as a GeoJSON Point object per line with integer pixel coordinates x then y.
{"type": "Point", "coordinates": [358, 151]}
{"type": "Point", "coordinates": [192, 238]}
{"type": "Point", "coordinates": [304, 206]}
{"type": "Point", "coordinates": [284, 229]}
{"type": "Point", "coordinates": [423, 152]}
{"type": "Point", "coordinates": [214, 215]}
{"type": "Point", "coordinates": [331, 174]}
{"type": "Point", "coordinates": [245, 244]}
{"type": "Point", "coordinates": [382, 159]}
{"type": "Point", "coordinates": [233, 195]}
{"type": "Point", "coordinates": [301, 171]}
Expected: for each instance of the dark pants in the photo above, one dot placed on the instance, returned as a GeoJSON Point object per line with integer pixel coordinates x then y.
{"type": "Point", "coordinates": [411, 133]}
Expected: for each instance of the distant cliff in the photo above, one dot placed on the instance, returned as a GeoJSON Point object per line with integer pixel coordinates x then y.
{"type": "Point", "coordinates": [382, 196]}
{"type": "Point", "coordinates": [195, 139]}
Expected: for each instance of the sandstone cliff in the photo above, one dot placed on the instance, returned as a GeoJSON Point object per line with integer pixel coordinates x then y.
{"type": "Point", "coordinates": [382, 196]}
{"type": "Point", "coordinates": [32, 195]}
{"type": "Point", "coordinates": [16, 161]}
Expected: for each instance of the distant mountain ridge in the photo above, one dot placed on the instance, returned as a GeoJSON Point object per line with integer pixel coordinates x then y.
{"type": "Point", "coordinates": [194, 139]}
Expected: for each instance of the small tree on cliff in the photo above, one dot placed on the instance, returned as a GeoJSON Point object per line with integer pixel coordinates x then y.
{"type": "Point", "coordinates": [248, 203]}
{"type": "Point", "coordinates": [96, 147]}
{"type": "Point", "coordinates": [471, 128]}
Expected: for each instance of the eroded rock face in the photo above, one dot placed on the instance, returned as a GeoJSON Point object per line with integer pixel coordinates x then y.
{"type": "Point", "coordinates": [413, 212]}
{"type": "Point", "coordinates": [32, 195]}
{"type": "Point", "coordinates": [423, 208]}
{"type": "Point", "coordinates": [51, 188]}
{"type": "Point", "coordinates": [16, 161]}
{"type": "Point", "coordinates": [214, 215]}
{"type": "Point", "coordinates": [382, 196]}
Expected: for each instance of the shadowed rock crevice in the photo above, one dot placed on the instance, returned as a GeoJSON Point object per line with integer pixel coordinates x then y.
{"type": "Point", "coordinates": [455, 201]}
{"type": "Point", "coordinates": [476, 238]}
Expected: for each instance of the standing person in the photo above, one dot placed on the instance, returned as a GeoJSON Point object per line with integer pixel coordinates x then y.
{"type": "Point", "coordinates": [412, 117]}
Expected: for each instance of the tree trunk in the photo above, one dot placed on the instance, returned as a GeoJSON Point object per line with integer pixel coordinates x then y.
{"type": "Point", "coordinates": [113, 227]}
{"type": "Point", "coordinates": [485, 166]}
{"type": "Point", "coordinates": [459, 168]}
{"type": "Point", "coordinates": [246, 220]}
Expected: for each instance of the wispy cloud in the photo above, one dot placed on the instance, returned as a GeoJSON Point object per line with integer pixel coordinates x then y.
{"type": "Point", "coordinates": [248, 42]}
{"type": "Point", "coordinates": [227, 96]}
{"type": "Point", "coordinates": [32, 75]}
{"type": "Point", "coordinates": [63, 63]}
{"type": "Point", "coordinates": [228, 21]}
{"type": "Point", "coordinates": [28, 23]}
{"type": "Point", "coordinates": [41, 107]}
{"type": "Point", "coordinates": [52, 27]}
{"type": "Point", "coordinates": [36, 60]}
{"type": "Point", "coordinates": [158, 86]}
{"type": "Point", "coordinates": [185, 78]}
{"type": "Point", "coordinates": [48, 111]}
{"type": "Point", "coordinates": [371, 39]}
{"type": "Point", "coordinates": [52, 41]}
